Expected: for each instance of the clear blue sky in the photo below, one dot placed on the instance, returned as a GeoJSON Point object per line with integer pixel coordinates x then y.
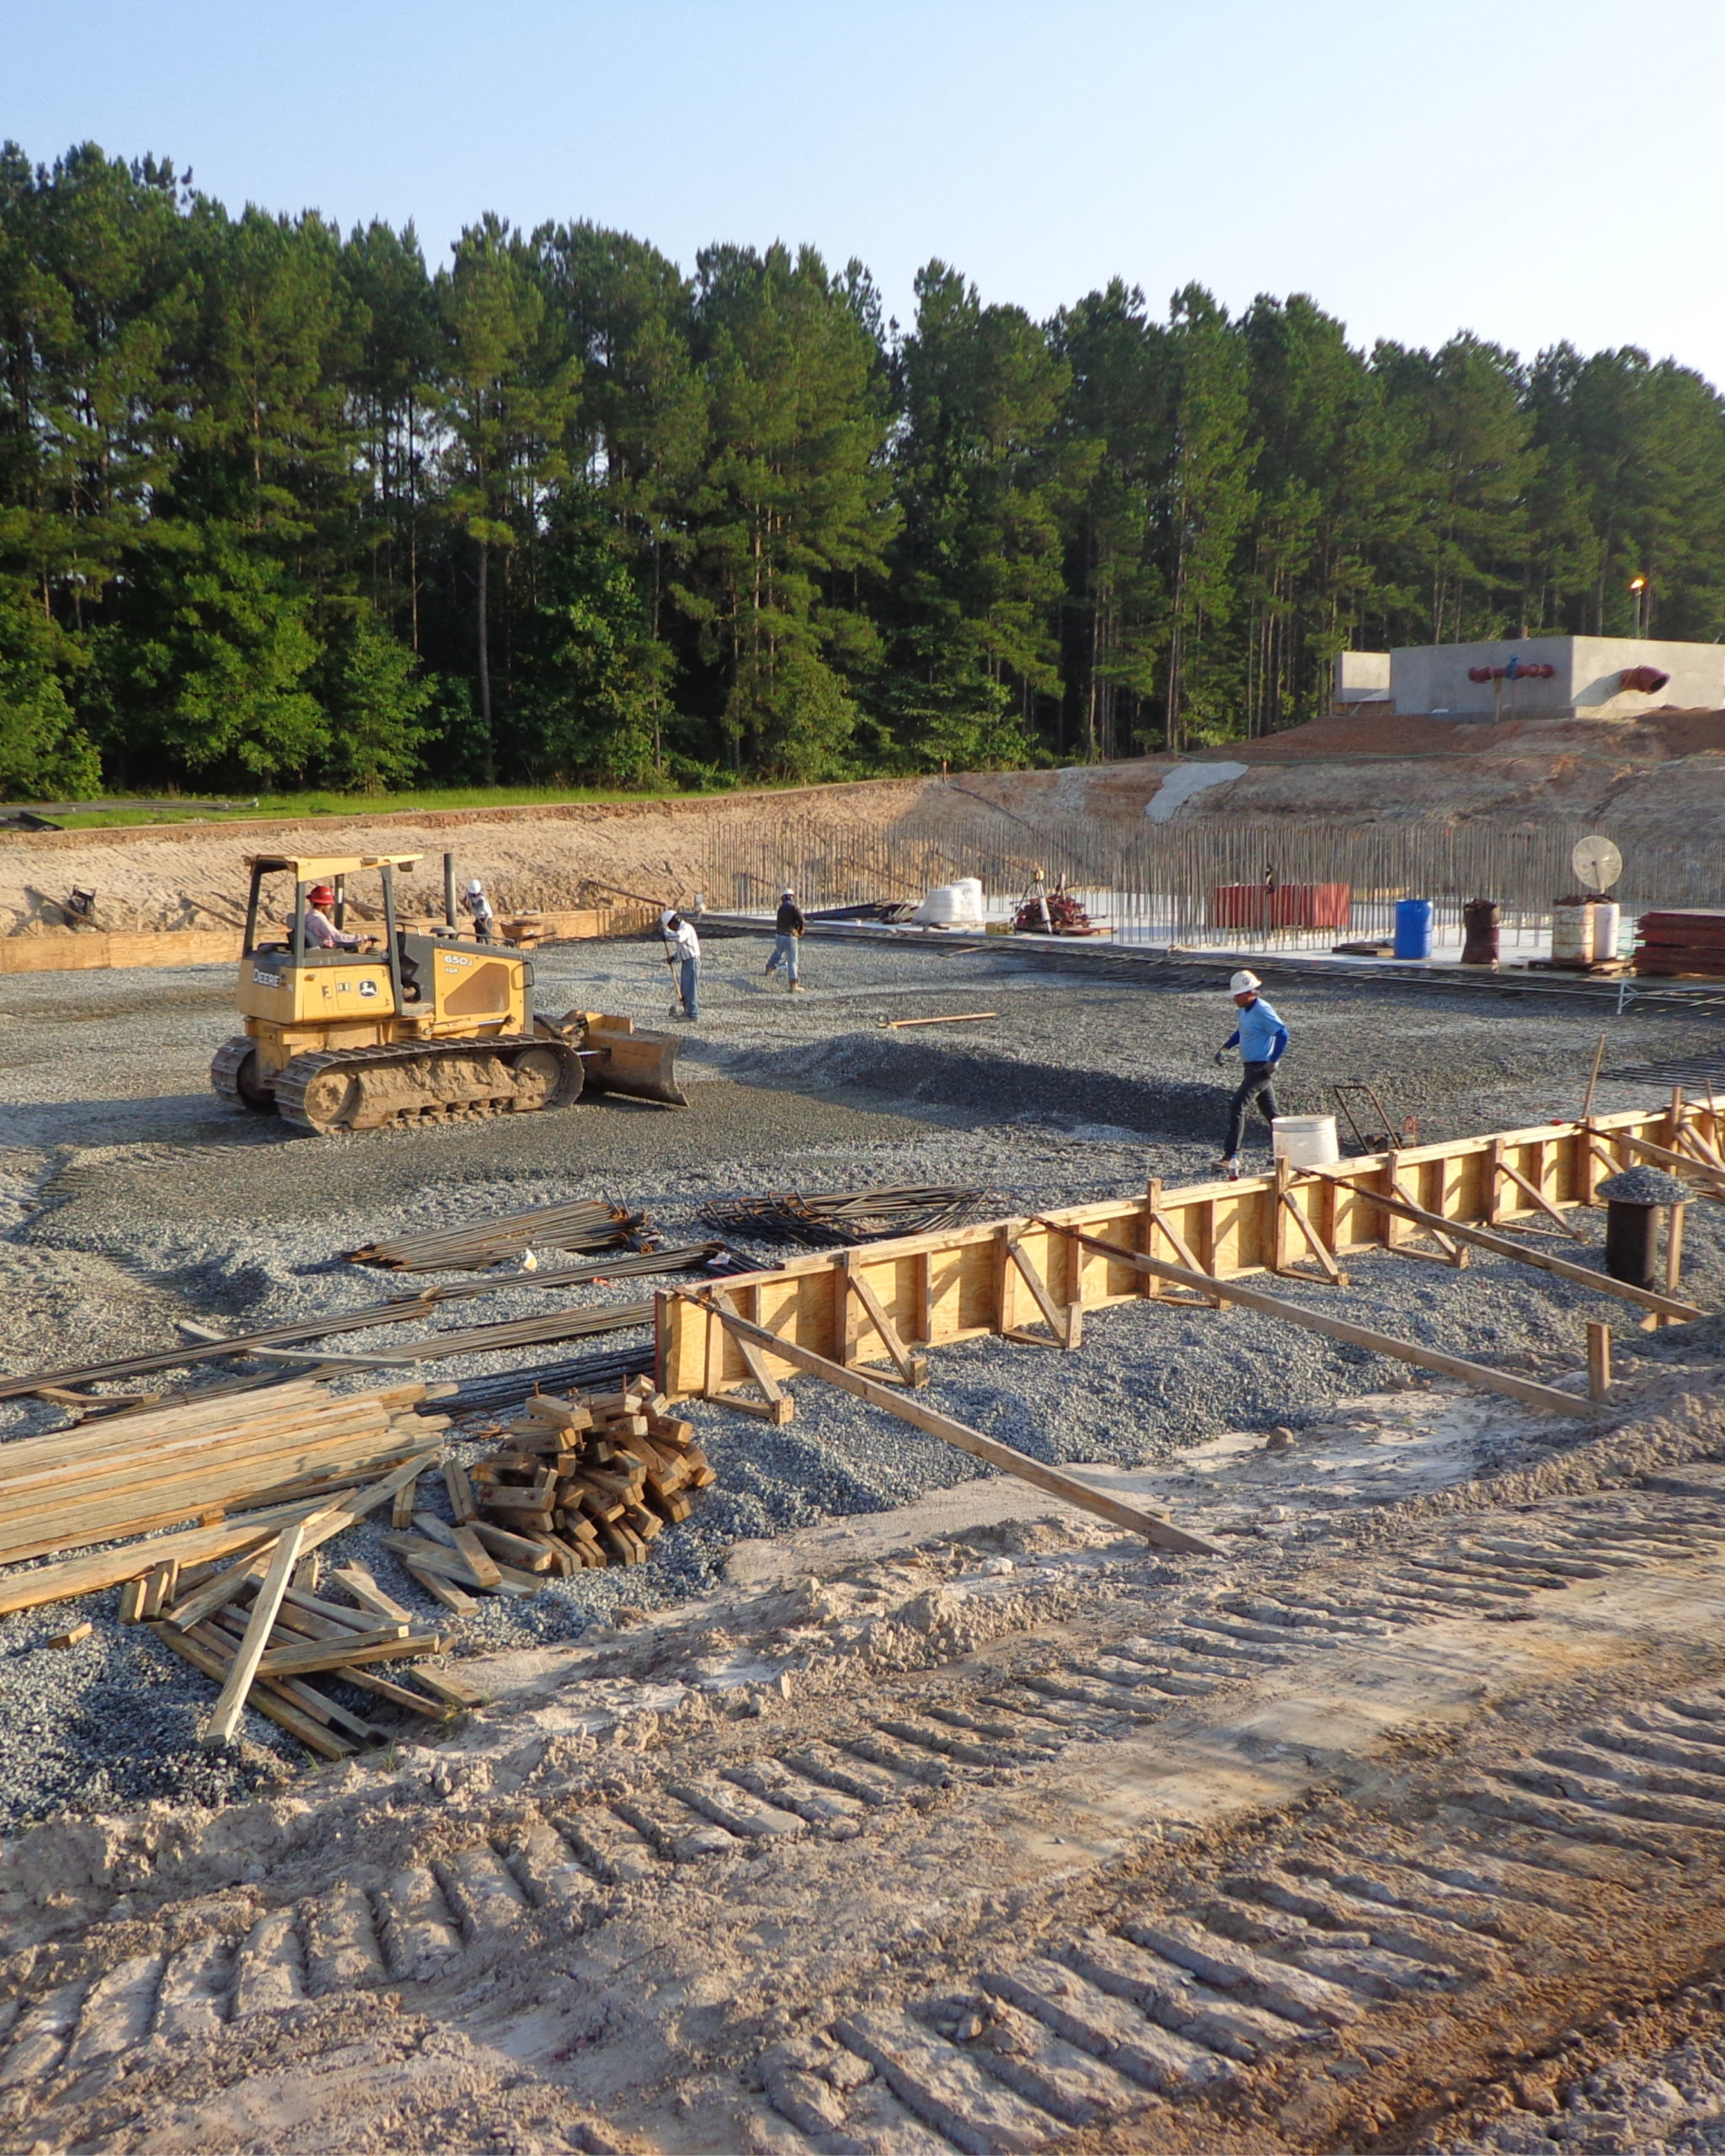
{"type": "Point", "coordinates": [1530, 169]}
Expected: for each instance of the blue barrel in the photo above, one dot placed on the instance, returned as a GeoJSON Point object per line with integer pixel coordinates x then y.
{"type": "Point", "coordinates": [1413, 928]}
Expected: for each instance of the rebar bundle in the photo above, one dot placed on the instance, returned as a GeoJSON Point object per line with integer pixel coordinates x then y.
{"type": "Point", "coordinates": [583, 1224]}
{"type": "Point", "coordinates": [1171, 882]}
{"type": "Point", "coordinates": [824, 1218]}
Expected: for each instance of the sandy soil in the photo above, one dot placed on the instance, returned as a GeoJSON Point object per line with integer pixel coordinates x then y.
{"type": "Point", "coordinates": [1647, 778]}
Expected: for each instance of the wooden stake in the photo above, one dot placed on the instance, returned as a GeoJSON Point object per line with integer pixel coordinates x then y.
{"type": "Point", "coordinates": [1674, 1247]}
{"type": "Point", "coordinates": [1161, 1534]}
{"type": "Point", "coordinates": [231, 1705]}
{"type": "Point", "coordinates": [1593, 1080]}
{"type": "Point", "coordinates": [1599, 1359]}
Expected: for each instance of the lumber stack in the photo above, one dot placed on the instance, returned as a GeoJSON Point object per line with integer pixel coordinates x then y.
{"type": "Point", "coordinates": [583, 1483]}
{"type": "Point", "coordinates": [263, 1624]}
{"type": "Point", "coordinates": [1681, 940]}
{"type": "Point", "coordinates": [105, 1480]}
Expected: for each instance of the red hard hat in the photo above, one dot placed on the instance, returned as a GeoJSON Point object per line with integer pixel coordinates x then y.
{"type": "Point", "coordinates": [320, 894]}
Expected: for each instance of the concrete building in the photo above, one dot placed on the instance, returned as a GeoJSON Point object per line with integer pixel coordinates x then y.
{"type": "Point", "coordinates": [1535, 677]}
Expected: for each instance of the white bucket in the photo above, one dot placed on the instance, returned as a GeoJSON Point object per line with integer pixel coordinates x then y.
{"type": "Point", "coordinates": [1304, 1141]}
{"type": "Point", "coordinates": [1572, 933]}
{"type": "Point", "coordinates": [952, 906]}
{"type": "Point", "coordinates": [1608, 923]}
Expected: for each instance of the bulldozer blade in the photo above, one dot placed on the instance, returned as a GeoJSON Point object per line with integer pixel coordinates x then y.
{"type": "Point", "coordinates": [642, 1066]}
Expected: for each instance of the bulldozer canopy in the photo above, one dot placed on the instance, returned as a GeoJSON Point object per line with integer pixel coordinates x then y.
{"type": "Point", "coordinates": [319, 868]}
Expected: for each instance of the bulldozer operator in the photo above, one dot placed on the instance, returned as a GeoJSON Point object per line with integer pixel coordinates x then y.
{"type": "Point", "coordinates": [321, 931]}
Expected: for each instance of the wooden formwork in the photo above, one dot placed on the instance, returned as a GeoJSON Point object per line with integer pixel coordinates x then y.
{"type": "Point", "coordinates": [1008, 1277]}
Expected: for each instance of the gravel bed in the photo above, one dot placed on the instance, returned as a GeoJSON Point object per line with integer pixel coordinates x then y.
{"type": "Point", "coordinates": [130, 1199]}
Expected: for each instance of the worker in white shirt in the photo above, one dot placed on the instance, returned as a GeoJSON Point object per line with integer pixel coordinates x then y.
{"type": "Point", "coordinates": [683, 954]}
{"type": "Point", "coordinates": [476, 902]}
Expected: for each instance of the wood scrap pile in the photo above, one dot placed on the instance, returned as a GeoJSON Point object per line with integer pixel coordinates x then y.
{"type": "Point", "coordinates": [103, 1480]}
{"type": "Point", "coordinates": [584, 1224]}
{"type": "Point", "coordinates": [264, 1623]}
{"type": "Point", "coordinates": [583, 1483]}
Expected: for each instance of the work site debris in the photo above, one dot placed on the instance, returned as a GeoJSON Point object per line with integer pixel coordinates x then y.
{"type": "Point", "coordinates": [583, 1483]}
{"type": "Point", "coordinates": [824, 1218]}
{"type": "Point", "coordinates": [584, 1224]}
{"type": "Point", "coordinates": [100, 1482]}
{"type": "Point", "coordinates": [261, 1624]}
{"type": "Point", "coordinates": [712, 1257]}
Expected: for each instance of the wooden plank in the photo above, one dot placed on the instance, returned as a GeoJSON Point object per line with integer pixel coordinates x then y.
{"type": "Point", "coordinates": [1523, 1254]}
{"type": "Point", "coordinates": [1066, 1326]}
{"type": "Point", "coordinates": [231, 1705]}
{"type": "Point", "coordinates": [912, 1369]}
{"type": "Point", "coordinates": [1712, 1181]}
{"type": "Point", "coordinates": [1544, 1203]}
{"type": "Point", "coordinates": [337, 1654]}
{"type": "Point", "coordinates": [1159, 1532]}
{"type": "Point", "coordinates": [779, 1406]}
{"type": "Point", "coordinates": [366, 1592]}
{"type": "Point", "coordinates": [214, 1663]}
{"type": "Point", "coordinates": [1383, 1343]}
{"type": "Point", "coordinates": [1333, 1272]}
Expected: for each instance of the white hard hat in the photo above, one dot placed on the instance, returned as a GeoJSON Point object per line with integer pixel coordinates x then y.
{"type": "Point", "coordinates": [787, 892]}
{"type": "Point", "coordinates": [1242, 981]}
{"type": "Point", "coordinates": [476, 890]}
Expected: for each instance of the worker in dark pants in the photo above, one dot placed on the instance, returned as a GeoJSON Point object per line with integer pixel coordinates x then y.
{"type": "Point", "coordinates": [1262, 1039]}
{"type": "Point", "coordinates": [787, 933]}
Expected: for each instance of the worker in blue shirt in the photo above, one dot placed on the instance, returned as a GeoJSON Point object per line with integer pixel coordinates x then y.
{"type": "Point", "coordinates": [1262, 1039]}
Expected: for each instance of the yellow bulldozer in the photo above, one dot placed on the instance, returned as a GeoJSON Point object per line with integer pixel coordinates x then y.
{"type": "Point", "coordinates": [407, 1028]}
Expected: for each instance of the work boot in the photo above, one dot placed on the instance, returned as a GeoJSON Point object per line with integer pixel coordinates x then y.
{"type": "Point", "coordinates": [768, 968]}
{"type": "Point", "coordinates": [795, 988]}
{"type": "Point", "coordinates": [1229, 1165]}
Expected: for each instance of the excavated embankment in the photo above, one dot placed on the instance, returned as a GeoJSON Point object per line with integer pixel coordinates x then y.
{"type": "Point", "coordinates": [1647, 780]}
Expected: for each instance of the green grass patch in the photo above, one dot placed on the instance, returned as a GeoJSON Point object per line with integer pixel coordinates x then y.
{"type": "Point", "coordinates": [113, 812]}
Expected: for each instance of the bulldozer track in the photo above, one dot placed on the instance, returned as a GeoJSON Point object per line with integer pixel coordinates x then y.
{"type": "Point", "coordinates": [298, 1087]}
{"type": "Point", "coordinates": [1297, 1854]}
{"type": "Point", "coordinates": [230, 1059]}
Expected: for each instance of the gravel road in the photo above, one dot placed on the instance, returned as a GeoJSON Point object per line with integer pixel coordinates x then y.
{"type": "Point", "coordinates": [130, 1199]}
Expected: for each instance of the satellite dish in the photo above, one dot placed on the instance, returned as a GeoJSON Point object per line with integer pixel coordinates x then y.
{"type": "Point", "coordinates": [1597, 863]}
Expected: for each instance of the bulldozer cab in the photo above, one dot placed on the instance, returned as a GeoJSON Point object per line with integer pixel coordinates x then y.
{"type": "Point", "coordinates": [443, 985]}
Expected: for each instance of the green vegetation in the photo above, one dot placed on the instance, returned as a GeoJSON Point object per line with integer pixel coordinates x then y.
{"type": "Point", "coordinates": [113, 809]}
{"type": "Point", "coordinates": [280, 508]}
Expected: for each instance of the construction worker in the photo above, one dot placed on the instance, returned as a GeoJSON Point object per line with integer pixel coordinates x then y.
{"type": "Point", "coordinates": [787, 933]}
{"type": "Point", "coordinates": [683, 954]}
{"type": "Point", "coordinates": [1262, 1039]}
{"type": "Point", "coordinates": [475, 902]}
{"type": "Point", "coordinates": [322, 933]}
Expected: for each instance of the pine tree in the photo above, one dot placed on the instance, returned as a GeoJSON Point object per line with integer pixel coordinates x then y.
{"type": "Point", "coordinates": [1207, 502]}
{"type": "Point", "coordinates": [507, 396]}
{"type": "Point", "coordinates": [791, 514]}
{"type": "Point", "coordinates": [976, 573]}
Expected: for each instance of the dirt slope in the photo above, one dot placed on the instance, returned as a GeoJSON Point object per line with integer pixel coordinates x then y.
{"type": "Point", "coordinates": [1647, 780]}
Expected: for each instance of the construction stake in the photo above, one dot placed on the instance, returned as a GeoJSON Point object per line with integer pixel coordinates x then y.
{"type": "Point", "coordinates": [1599, 1359]}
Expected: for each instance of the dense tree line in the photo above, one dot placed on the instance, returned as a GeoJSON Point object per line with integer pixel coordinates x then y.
{"type": "Point", "coordinates": [279, 505]}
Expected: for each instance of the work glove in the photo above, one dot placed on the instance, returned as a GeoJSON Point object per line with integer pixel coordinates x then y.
{"type": "Point", "coordinates": [1221, 1058]}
